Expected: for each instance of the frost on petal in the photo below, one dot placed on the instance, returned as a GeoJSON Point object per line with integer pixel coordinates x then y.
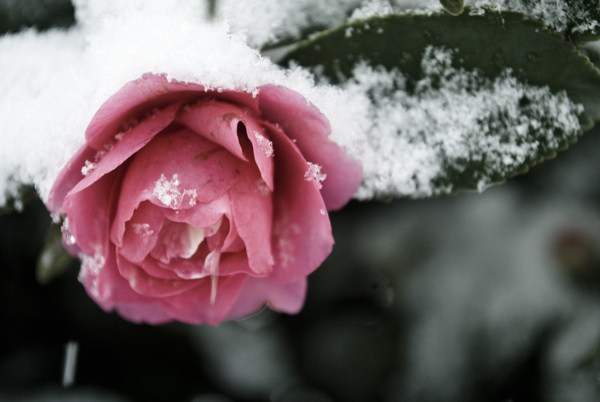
{"type": "Point", "coordinates": [315, 175]}
{"type": "Point", "coordinates": [90, 267]}
{"type": "Point", "coordinates": [302, 122]}
{"type": "Point", "coordinates": [87, 168]}
{"type": "Point", "coordinates": [264, 144]}
{"type": "Point", "coordinates": [301, 233]}
{"type": "Point", "coordinates": [169, 193]}
{"type": "Point", "coordinates": [142, 229]}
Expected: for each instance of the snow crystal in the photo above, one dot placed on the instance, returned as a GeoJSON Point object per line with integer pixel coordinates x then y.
{"type": "Point", "coordinates": [374, 8]}
{"type": "Point", "coordinates": [454, 119]}
{"type": "Point", "coordinates": [87, 168]}
{"type": "Point", "coordinates": [91, 266]}
{"type": "Point", "coordinates": [142, 229]}
{"type": "Point", "coordinates": [169, 194]}
{"type": "Point", "coordinates": [267, 22]}
{"type": "Point", "coordinates": [264, 144]}
{"type": "Point", "coordinates": [559, 15]}
{"type": "Point", "coordinates": [315, 175]}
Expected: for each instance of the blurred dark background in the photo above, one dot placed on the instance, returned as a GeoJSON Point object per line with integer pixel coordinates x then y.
{"type": "Point", "coordinates": [475, 297]}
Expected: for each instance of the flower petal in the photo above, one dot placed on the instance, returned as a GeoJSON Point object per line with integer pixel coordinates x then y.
{"type": "Point", "coordinates": [223, 124]}
{"type": "Point", "coordinates": [144, 94]}
{"type": "Point", "coordinates": [68, 177]}
{"type": "Point", "coordinates": [301, 238]}
{"type": "Point", "coordinates": [89, 212]}
{"type": "Point", "coordinates": [258, 292]}
{"type": "Point", "coordinates": [103, 282]}
{"type": "Point", "coordinates": [132, 141]}
{"type": "Point", "coordinates": [175, 170]}
{"type": "Point", "coordinates": [252, 214]}
{"type": "Point", "coordinates": [196, 307]}
{"type": "Point", "coordinates": [141, 232]}
{"type": "Point", "coordinates": [152, 313]}
{"type": "Point", "coordinates": [150, 286]}
{"type": "Point", "coordinates": [305, 124]}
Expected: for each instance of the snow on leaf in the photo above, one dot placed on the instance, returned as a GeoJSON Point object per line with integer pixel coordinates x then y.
{"type": "Point", "coordinates": [484, 103]}
{"type": "Point", "coordinates": [578, 20]}
{"type": "Point", "coordinates": [457, 129]}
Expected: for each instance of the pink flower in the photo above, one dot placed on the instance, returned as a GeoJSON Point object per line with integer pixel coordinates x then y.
{"type": "Point", "coordinates": [199, 205]}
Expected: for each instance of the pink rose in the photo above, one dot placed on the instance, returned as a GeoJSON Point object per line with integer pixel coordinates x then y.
{"type": "Point", "coordinates": [200, 205]}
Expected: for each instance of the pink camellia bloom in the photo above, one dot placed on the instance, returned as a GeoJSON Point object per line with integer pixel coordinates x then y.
{"type": "Point", "coordinates": [200, 205]}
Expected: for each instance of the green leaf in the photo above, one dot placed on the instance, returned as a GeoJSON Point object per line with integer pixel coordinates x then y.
{"type": "Point", "coordinates": [489, 43]}
{"type": "Point", "coordinates": [54, 259]}
{"type": "Point", "coordinates": [579, 19]}
{"type": "Point", "coordinates": [17, 199]}
{"type": "Point", "coordinates": [488, 51]}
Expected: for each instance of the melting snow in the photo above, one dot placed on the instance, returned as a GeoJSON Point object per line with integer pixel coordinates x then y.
{"type": "Point", "coordinates": [67, 236]}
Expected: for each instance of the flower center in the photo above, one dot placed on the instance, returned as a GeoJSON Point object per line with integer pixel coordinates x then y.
{"type": "Point", "coordinates": [181, 240]}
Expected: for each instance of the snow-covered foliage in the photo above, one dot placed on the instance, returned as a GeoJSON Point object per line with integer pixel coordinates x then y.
{"type": "Point", "coordinates": [565, 17]}
{"type": "Point", "coordinates": [53, 82]}
{"type": "Point", "coordinates": [418, 140]}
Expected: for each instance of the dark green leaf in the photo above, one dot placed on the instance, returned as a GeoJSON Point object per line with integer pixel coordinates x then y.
{"type": "Point", "coordinates": [16, 201]}
{"type": "Point", "coordinates": [489, 43]}
{"type": "Point", "coordinates": [485, 46]}
{"type": "Point", "coordinates": [41, 14]}
{"type": "Point", "coordinates": [54, 259]}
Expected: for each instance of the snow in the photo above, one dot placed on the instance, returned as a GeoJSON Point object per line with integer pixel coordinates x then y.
{"type": "Point", "coordinates": [41, 113]}
{"type": "Point", "coordinates": [142, 229]}
{"type": "Point", "coordinates": [265, 22]}
{"type": "Point", "coordinates": [453, 119]}
{"type": "Point", "coordinates": [559, 15]}
{"type": "Point", "coordinates": [53, 83]}
{"type": "Point", "coordinates": [374, 8]}
{"type": "Point", "coordinates": [91, 265]}
{"type": "Point", "coordinates": [169, 194]}
{"type": "Point", "coordinates": [315, 174]}
{"type": "Point", "coordinates": [264, 144]}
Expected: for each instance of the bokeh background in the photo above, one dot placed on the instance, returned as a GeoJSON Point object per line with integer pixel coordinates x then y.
{"type": "Point", "coordinates": [473, 297]}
